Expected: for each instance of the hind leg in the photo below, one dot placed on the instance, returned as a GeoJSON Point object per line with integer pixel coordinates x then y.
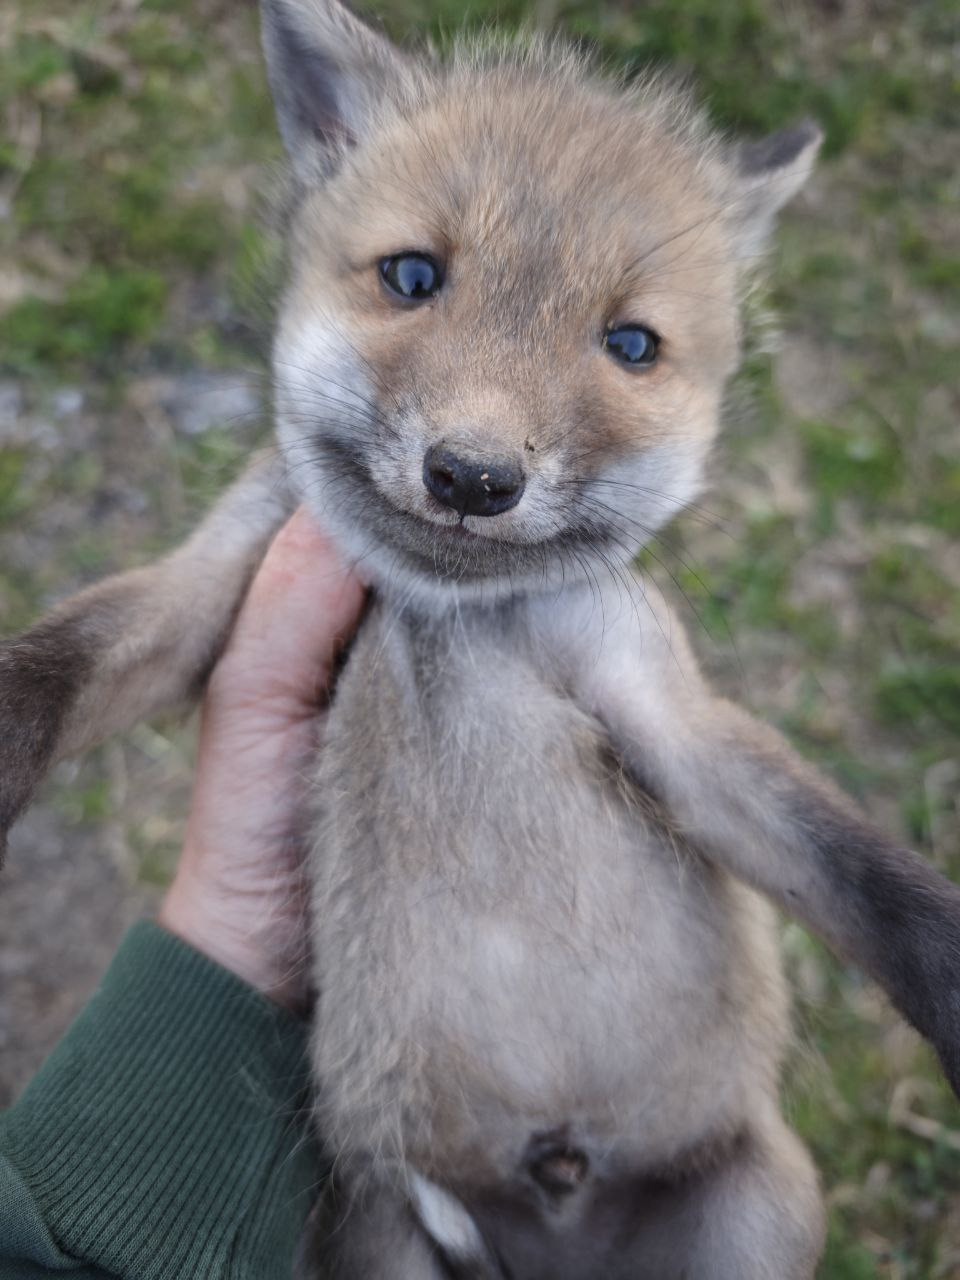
{"type": "Point", "coordinates": [370, 1236]}
{"type": "Point", "coordinates": [761, 1215]}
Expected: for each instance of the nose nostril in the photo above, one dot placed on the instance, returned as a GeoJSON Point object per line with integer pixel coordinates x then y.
{"type": "Point", "coordinates": [472, 487]}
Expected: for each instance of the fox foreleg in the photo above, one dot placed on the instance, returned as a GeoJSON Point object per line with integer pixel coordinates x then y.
{"type": "Point", "coordinates": [134, 645]}
{"type": "Point", "coordinates": [750, 804]}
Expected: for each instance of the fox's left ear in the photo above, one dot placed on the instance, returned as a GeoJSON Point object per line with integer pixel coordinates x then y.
{"type": "Point", "coordinates": [767, 174]}
{"type": "Point", "coordinates": [328, 71]}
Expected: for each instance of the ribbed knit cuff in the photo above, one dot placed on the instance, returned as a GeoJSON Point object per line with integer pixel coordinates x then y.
{"type": "Point", "coordinates": [166, 1135]}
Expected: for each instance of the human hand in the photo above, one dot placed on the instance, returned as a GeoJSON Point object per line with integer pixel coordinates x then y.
{"type": "Point", "coordinates": [239, 893]}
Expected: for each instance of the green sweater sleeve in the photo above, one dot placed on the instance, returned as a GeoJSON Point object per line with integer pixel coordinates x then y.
{"type": "Point", "coordinates": [166, 1135]}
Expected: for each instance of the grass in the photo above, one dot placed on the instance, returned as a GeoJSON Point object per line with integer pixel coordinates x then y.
{"type": "Point", "coordinates": [137, 137]}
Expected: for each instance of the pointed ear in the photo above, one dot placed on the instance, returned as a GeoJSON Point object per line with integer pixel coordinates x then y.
{"type": "Point", "coordinates": [768, 174]}
{"type": "Point", "coordinates": [328, 71]}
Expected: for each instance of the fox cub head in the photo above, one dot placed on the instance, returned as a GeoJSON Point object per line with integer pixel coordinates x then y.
{"type": "Point", "coordinates": [513, 300]}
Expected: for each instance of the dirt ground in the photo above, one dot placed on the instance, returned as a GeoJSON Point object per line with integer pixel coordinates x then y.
{"type": "Point", "coordinates": [64, 908]}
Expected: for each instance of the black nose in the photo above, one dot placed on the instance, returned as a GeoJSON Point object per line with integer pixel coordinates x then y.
{"type": "Point", "coordinates": [473, 488]}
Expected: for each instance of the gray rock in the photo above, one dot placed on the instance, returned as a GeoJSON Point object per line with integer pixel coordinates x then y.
{"type": "Point", "coordinates": [68, 401]}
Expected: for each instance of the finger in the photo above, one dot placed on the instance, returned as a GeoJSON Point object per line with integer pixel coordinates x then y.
{"type": "Point", "coordinates": [301, 608]}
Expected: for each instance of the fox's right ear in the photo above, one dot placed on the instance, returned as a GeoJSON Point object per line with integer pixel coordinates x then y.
{"type": "Point", "coordinates": [770, 172]}
{"type": "Point", "coordinates": [328, 72]}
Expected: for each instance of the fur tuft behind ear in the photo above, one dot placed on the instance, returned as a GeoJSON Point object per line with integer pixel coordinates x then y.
{"type": "Point", "coordinates": [328, 72]}
{"type": "Point", "coordinates": [768, 174]}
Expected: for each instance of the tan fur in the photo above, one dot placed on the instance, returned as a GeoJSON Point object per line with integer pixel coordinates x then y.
{"type": "Point", "coordinates": [550, 1018]}
{"type": "Point", "coordinates": [181, 613]}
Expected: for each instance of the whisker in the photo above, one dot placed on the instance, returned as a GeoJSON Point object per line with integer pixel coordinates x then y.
{"type": "Point", "coordinates": [651, 536]}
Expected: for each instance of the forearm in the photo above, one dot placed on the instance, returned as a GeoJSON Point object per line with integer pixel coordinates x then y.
{"type": "Point", "coordinates": [746, 801]}
{"type": "Point", "coordinates": [743, 799]}
{"type": "Point", "coordinates": [166, 1134]}
{"type": "Point", "coordinates": [134, 645]}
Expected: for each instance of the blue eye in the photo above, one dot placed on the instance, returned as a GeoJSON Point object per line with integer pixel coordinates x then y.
{"type": "Point", "coordinates": [632, 344]}
{"type": "Point", "coordinates": [412, 276]}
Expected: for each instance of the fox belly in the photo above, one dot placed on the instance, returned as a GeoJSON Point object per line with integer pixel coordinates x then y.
{"type": "Point", "coordinates": [511, 944]}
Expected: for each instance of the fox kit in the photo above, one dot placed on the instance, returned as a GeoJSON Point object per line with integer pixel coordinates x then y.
{"type": "Point", "coordinates": [551, 1017]}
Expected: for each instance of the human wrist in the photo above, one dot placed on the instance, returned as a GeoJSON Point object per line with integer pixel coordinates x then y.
{"type": "Point", "coordinates": [235, 936]}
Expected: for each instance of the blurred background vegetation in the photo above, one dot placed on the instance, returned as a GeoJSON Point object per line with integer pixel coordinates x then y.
{"type": "Point", "coordinates": [823, 588]}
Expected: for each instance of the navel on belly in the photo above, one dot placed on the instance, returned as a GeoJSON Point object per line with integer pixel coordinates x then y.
{"type": "Point", "coordinates": [555, 1163]}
